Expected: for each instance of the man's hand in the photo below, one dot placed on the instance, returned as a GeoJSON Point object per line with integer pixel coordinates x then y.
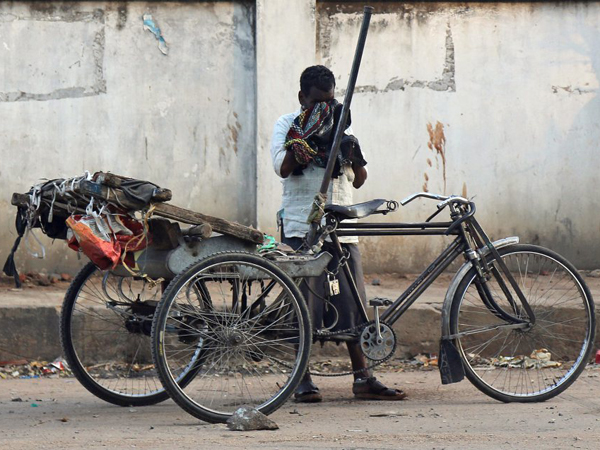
{"type": "Point", "coordinates": [288, 165]}
{"type": "Point", "coordinates": [360, 175]}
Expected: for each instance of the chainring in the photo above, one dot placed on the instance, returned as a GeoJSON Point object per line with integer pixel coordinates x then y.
{"type": "Point", "coordinates": [378, 346]}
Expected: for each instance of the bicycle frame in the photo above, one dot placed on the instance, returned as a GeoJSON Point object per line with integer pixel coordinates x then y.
{"type": "Point", "coordinates": [469, 238]}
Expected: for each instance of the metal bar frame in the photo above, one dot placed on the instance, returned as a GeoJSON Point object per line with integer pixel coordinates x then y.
{"type": "Point", "coordinates": [414, 291]}
{"type": "Point", "coordinates": [397, 229]}
{"type": "Point", "coordinates": [468, 233]}
{"type": "Point", "coordinates": [459, 227]}
{"type": "Point", "coordinates": [400, 225]}
{"type": "Point", "coordinates": [425, 279]}
{"type": "Point", "coordinates": [396, 233]}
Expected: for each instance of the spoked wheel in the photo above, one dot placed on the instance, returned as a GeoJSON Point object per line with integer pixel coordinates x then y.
{"type": "Point", "coordinates": [241, 326]}
{"type": "Point", "coordinates": [105, 328]}
{"type": "Point", "coordinates": [519, 361]}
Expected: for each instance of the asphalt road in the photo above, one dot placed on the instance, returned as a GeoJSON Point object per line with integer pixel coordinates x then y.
{"type": "Point", "coordinates": [60, 414]}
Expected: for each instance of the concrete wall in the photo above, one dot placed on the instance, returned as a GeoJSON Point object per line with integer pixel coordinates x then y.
{"type": "Point", "coordinates": [493, 100]}
{"type": "Point", "coordinates": [84, 87]}
{"type": "Point", "coordinates": [496, 100]}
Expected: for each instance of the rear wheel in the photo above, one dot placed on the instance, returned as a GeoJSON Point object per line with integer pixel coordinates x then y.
{"type": "Point", "coordinates": [241, 326]}
{"type": "Point", "coordinates": [514, 362]}
{"type": "Point", "coordinates": [105, 328]}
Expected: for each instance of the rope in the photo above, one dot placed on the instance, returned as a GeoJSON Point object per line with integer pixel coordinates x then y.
{"type": "Point", "coordinates": [29, 231]}
{"type": "Point", "coordinates": [138, 239]}
{"type": "Point", "coordinates": [318, 209]}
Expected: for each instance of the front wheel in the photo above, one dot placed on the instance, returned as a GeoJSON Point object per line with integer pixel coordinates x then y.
{"type": "Point", "coordinates": [515, 361]}
{"type": "Point", "coordinates": [241, 326]}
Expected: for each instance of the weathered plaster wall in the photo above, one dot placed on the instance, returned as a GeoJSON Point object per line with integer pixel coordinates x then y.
{"type": "Point", "coordinates": [286, 43]}
{"type": "Point", "coordinates": [496, 100]}
{"type": "Point", "coordinates": [84, 86]}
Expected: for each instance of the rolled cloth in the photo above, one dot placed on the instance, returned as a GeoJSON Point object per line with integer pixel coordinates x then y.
{"type": "Point", "coordinates": [311, 137]}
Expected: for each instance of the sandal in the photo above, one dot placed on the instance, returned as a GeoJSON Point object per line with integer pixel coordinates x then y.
{"type": "Point", "coordinates": [307, 392]}
{"type": "Point", "coordinates": [371, 389]}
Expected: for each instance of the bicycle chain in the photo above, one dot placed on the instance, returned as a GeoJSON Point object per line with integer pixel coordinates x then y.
{"type": "Point", "coordinates": [353, 372]}
{"type": "Point", "coordinates": [349, 372]}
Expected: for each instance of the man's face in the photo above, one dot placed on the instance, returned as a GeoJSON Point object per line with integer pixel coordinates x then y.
{"type": "Point", "coordinates": [315, 95]}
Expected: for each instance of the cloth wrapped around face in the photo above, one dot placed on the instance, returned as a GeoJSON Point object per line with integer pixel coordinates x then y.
{"type": "Point", "coordinates": [311, 137]}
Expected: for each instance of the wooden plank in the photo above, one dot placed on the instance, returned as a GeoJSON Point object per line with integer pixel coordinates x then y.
{"type": "Point", "coordinates": [20, 200]}
{"type": "Point", "coordinates": [219, 225]}
{"type": "Point", "coordinates": [173, 212]}
{"type": "Point", "coordinates": [118, 198]}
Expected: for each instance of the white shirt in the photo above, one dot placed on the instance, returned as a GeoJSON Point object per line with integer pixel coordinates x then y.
{"type": "Point", "coordinates": [299, 190]}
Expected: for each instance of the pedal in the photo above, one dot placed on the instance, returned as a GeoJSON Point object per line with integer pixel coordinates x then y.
{"type": "Point", "coordinates": [379, 302]}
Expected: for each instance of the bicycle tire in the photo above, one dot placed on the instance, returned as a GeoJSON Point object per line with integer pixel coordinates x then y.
{"type": "Point", "coordinates": [95, 340]}
{"type": "Point", "coordinates": [251, 342]}
{"type": "Point", "coordinates": [535, 363]}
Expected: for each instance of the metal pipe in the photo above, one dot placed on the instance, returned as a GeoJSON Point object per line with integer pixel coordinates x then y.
{"type": "Point", "coordinates": [416, 226]}
{"type": "Point", "coordinates": [341, 125]}
{"type": "Point", "coordinates": [408, 297]}
{"type": "Point", "coordinates": [442, 232]}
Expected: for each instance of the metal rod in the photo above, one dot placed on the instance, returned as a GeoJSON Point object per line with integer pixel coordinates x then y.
{"type": "Point", "coordinates": [442, 232]}
{"type": "Point", "coordinates": [341, 125]}
{"type": "Point", "coordinates": [498, 260]}
{"type": "Point", "coordinates": [410, 295]}
{"type": "Point", "coordinates": [419, 225]}
{"type": "Point", "coordinates": [416, 226]}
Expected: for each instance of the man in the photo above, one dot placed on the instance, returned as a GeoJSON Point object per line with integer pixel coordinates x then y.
{"type": "Point", "coordinates": [300, 149]}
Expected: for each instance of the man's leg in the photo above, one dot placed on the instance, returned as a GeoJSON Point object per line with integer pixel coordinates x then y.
{"type": "Point", "coordinates": [365, 384]}
{"type": "Point", "coordinates": [307, 391]}
{"type": "Point", "coordinates": [357, 358]}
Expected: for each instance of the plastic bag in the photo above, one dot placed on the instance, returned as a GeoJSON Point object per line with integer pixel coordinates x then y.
{"type": "Point", "coordinates": [98, 244]}
{"type": "Point", "coordinates": [104, 238]}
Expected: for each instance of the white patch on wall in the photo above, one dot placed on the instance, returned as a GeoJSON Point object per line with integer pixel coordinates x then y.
{"type": "Point", "coordinates": [414, 55]}
{"type": "Point", "coordinates": [70, 65]}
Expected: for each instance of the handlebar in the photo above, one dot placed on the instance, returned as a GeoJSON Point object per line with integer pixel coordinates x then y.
{"type": "Point", "coordinates": [444, 199]}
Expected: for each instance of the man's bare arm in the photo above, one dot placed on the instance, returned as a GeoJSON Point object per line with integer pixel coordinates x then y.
{"type": "Point", "coordinates": [288, 165]}
{"type": "Point", "coordinates": [360, 175]}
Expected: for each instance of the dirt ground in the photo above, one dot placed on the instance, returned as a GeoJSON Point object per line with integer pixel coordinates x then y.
{"type": "Point", "coordinates": [60, 414]}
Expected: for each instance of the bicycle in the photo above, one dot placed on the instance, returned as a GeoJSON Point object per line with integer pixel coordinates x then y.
{"type": "Point", "coordinates": [517, 320]}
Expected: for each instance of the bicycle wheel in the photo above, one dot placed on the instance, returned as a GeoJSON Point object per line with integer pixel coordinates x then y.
{"type": "Point", "coordinates": [241, 325]}
{"type": "Point", "coordinates": [105, 328]}
{"type": "Point", "coordinates": [514, 362]}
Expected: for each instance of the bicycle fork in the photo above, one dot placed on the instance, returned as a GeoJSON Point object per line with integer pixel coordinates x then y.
{"type": "Point", "coordinates": [522, 313]}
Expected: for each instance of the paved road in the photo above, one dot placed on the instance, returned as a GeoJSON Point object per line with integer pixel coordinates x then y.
{"type": "Point", "coordinates": [434, 417]}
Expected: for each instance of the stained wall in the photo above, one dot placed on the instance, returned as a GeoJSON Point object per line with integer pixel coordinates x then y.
{"type": "Point", "coordinates": [496, 101]}
{"type": "Point", "coordinates": [83, 86]}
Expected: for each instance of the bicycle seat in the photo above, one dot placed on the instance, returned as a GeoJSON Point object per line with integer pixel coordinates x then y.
{"type": "Point", "coordinates": [356, 211]}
